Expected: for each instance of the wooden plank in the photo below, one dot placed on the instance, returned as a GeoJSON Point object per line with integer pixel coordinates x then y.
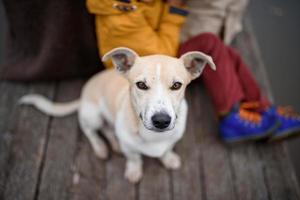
{"type": "Point", "coordinates": [246, 163]}
{"type": "Point", "coordinates": [156, 181]}
{"type": "Point", "coordinates": [288, 171]}
{"type": "Point", "coordinates": [248, 172]}
{"type": "Point", "coordinates": [280, 179]}
{"type": "Point", "coordinates": [217, 171]}
{"type": "Point", "coordinates": [10, 93]}
{"type": "Point", "coordinates": [89, 181]}
{"type": "Point", "coordinates": [117, 186]}
{"type": "Point", "coordinates": [278, 173]}
{"type": "Point", "coordinates": [187, 182]}
{"type": "Point", "coordinates": [276, 153]}
{"type": "Point", "coordinates": [57, 174]}
{"type": "Point", "coordinates": [28, 146]}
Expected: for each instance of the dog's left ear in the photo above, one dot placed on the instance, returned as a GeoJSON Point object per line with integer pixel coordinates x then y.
{"type": "Point", "coordinates": [123, 58]}
{"type": "Point", "coordinates": [195, 61]}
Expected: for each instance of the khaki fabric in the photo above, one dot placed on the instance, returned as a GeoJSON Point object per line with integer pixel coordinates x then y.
{"type": "Point", "coordinates": [221, 17]}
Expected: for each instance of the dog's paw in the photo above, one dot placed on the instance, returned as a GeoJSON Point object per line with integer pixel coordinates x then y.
{"type": "Point", "coordinates": [133, 172]}
{"type": "Point", "coordinates": [171, 161]}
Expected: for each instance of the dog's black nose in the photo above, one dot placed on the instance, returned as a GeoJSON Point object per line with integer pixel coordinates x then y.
{"type": "Point", "coordinates": [161, 120]}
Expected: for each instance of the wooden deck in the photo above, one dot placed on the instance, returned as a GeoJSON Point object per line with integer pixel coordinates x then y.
{"type": "Point", "coordinates": [44, 158]}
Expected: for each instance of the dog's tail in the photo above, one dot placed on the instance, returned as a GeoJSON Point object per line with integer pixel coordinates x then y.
{"type": "Point", "coordinates": [48, 107]}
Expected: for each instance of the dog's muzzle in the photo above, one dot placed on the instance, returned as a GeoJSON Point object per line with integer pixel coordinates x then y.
{"type": "Point", "coordinates": [161, 121]}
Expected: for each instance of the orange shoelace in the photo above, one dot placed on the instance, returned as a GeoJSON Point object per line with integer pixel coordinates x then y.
{"type": "Point", "coordinates": [287, 112]}
{"type": "Point", "coordinates": [247, 111]}
{"type": "Point", "coordinates": [250, 116]}
{"type": "Point", "coordinates": [250, 105]}
{"type": "Point", "coordinates": [246, 114]}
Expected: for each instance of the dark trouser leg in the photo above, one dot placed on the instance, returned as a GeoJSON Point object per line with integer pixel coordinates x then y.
{"type": "Point", "coordinates": [231, 82]}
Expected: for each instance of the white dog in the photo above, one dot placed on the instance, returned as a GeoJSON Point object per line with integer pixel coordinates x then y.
{"type": "Point", "coordinates": [139, 107]}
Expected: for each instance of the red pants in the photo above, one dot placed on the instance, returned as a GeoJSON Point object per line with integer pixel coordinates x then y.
{"type": "Point", "coordinates": [232, 82]}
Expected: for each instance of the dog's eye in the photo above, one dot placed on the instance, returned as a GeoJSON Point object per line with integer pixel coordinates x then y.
{"type": "Point", "coordinates": [141, 85]}
{"type": "Point", "coordinates": [176, 86]}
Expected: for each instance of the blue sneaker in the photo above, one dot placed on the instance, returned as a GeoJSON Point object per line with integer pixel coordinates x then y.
{"type": "Point", "coordinates": [289, 122]}
{"type": "Point", "coordinates": [243, 124]}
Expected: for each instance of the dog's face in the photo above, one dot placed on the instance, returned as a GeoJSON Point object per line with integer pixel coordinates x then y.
{"type": "Point", "coordinates": [158, 83]}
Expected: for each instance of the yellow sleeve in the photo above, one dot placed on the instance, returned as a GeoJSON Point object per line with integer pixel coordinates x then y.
{"type": "Point", "coordinates": [131, 29]}
{"type": "Point", "coordinates": [116, 27]}
{"type": "Point", "coordinates": [169, 29]}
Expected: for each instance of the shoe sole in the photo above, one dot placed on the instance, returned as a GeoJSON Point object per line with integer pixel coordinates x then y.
{"type": "Point", "coordinates": [257, 137]}
{"type": "Point", "coordinates": [286, 134]}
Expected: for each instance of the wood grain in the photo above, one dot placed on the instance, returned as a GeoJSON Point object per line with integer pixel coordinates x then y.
{"type": "Point", "coordinates": [117, 186]}
{"type": "Point", "coordinates": [10, 93]}
{"type": "Point", "coordinates": [88, 179]}
{"type": "Point", "coordinates": [218, 177]}
{"type": "Point", "coordinates": [187, 182]}
{"type": "Point", "coordinates": [56, 178]}
{"type": "Point", "coordinates": [30, 129]}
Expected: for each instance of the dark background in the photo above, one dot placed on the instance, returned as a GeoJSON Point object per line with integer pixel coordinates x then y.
{"type": "Point", "coordinates": [276, 24]}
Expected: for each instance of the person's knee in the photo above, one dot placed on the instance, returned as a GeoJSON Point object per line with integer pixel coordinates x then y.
{"type": "Point", "coordinates": [204, 42]}
{"type": "Point", "coordinates": [209, 38]}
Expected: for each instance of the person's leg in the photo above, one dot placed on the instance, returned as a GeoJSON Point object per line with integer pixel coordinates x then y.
{"type": "Point", "coordinates": [248, 83]}
{"type": "Point", "coordinates": [231, 82]}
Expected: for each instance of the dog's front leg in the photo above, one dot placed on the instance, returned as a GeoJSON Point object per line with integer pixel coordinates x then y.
{"type": "Point", "coordinates": [134, 165]}
{"type": "Point", "coordinates": [171, 160]}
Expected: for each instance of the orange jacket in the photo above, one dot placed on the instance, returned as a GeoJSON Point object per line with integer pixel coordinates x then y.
{"type": "Point", "coordinates": [147, 28]}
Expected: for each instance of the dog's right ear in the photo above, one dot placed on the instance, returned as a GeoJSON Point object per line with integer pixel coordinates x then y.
{"type": "Point", "coordinates": [122, 58]}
